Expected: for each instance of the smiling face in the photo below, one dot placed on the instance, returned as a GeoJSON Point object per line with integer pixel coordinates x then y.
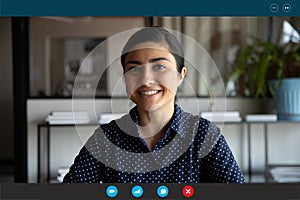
{"type": "Point", "coordinates": [151, 76]}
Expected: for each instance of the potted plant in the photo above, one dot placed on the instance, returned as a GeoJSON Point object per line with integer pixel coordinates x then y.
{"type": "Point", "coordinates": [266, 69]}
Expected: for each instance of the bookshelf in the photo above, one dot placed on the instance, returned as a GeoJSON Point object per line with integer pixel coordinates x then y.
{"type": "Point", "coordinates": [268, 166]}
{"type": "Point", "coordinates": [46, 135]}
{"type": "Point", "coordinates": [265, 124]}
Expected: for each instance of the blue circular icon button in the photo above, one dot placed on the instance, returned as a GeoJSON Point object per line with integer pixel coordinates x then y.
{"type": "Point", "coordinates": [274, 7]}
{"type": "Point", "coordinates": [286, 7]}
{"type": "Point", "coordinates": [111, 191]}
{"type": "Point", "coordinates": [162, 191]}
{"type": "Point", "coordinates": [137, 191]}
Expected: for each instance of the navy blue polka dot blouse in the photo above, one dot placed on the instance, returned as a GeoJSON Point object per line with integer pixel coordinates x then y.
{"type": "Point", "coordinates": [191, 151]}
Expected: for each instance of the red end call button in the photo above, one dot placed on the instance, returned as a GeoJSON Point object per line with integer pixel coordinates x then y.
{"type": "Point", "coordinates": [188, 191]}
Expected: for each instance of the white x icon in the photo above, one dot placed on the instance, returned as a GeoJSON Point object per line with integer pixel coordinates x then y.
{"type": "Point", "coordinates": [187, 191]}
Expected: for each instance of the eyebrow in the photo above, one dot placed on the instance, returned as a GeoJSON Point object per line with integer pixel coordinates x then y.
{"type": "Point", "coordinates": [150, 61]}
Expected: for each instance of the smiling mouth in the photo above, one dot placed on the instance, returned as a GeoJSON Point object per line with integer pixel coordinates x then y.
{"type": "Point", "coordinates": [149, 93]}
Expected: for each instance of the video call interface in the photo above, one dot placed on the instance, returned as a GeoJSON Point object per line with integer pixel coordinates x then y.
{"type": "Point", "coordinates": [150, 100]}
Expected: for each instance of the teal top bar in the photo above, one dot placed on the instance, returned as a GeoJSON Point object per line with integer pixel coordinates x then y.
{"type": "Point", "coordinates": [149, 7]}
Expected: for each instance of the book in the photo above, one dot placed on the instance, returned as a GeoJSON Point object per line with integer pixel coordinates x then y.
{"type": "Point", "coordinates": [261, 117]}
{"type": "Point", "coordinates": [61, 172]}
{"type": "Point", "coordinates": [51, 117]}
{"type": "Point", "coordinates": [68, 117]}
{"type": "Point", "coordinates": [224, 119]}
{"type": "Point", "coordinates": [222, 116]}
{"type": "Point", "coordinates": [69, 121]}
{"type": "Point", "coordinates": [68, 114]}
{"type": "Point", "coordinates": [220, 113]}
{"type": "Point", "coordinates": [107, 117]}
{"type": "Point", "coordinates": [284, 174]}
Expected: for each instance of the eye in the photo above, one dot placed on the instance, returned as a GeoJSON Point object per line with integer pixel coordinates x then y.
{"type": "Point", "coordinates": [159, 67]}
{"type": "Point", "coordinates": [134, 69]}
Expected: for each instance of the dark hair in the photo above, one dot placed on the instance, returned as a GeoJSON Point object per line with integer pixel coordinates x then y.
{"type": "Point", "coordinates": [156, 35]}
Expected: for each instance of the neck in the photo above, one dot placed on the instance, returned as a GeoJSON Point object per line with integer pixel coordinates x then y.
{"type": "Point", "coordinates": [161, 115]}
{"type": "Point", "coordinates": [152, 124]}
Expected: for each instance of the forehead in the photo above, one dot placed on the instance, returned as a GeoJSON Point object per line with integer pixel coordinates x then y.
{"type": "Point", "coordinates": [143, 56]}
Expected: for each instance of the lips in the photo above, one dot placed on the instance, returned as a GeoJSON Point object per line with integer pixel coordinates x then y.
{"type": "Point", "coordinates": [149, 92]}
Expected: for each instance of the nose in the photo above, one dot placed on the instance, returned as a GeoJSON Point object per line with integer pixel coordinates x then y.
{"type": "Point", "coordinates": [147, 76]}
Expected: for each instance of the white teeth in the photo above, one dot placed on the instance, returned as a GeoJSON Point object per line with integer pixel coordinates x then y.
{"type": "Point", "coordinates": [149, 92]}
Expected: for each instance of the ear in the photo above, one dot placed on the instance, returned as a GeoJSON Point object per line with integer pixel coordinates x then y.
{"type": "Point", "coordinates": [181, 76]}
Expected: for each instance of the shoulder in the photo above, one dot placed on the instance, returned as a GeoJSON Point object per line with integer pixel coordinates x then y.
{"type": "Point", "coordinates": [204, 125]}
{"type": "Point", "coordinates": [115, 126]}
{"type": "Point", "coordinates": [118, 128]}
{"type": "Point", "coordinates": [207, 133]}
{"type": "Point", "coordinates": [107, 136]}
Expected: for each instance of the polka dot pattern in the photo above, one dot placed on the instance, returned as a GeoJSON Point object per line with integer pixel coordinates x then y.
{"type": "Point", "coordinates": [206, 159]}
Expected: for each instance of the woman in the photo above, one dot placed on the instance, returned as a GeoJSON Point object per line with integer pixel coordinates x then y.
{"type": "Point", "coordinates": [157, 142]}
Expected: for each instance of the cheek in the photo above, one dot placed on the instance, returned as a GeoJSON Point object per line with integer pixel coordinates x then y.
{"type": "Point", "coordinates": [169, 81]}
{"type": "Point", "coordinates": [131, 86]}
{"type": "Point", "coordinates": [128, 87]}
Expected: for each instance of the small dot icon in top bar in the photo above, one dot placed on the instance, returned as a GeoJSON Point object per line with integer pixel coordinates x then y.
{"type": "Point", "coordinates": [286, 7]}
{"type": "Point", "coordinates": [274, 7]}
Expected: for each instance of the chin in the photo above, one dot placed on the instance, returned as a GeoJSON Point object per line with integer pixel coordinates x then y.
{"type": "Point", "coordinates": [150, 107]}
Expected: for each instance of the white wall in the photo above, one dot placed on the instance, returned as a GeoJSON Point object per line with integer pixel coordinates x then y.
{"type": "Point", "coordinates": [42, 30]}
{"type": "Point", "coordinates": [66, 142]}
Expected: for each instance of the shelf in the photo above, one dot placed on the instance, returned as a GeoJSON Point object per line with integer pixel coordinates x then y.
{"type": "Point", "coordinates": [252, 177]}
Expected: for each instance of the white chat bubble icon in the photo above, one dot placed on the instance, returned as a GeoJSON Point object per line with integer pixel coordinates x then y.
{"type": "Point", "coordinates": [163, 191]}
